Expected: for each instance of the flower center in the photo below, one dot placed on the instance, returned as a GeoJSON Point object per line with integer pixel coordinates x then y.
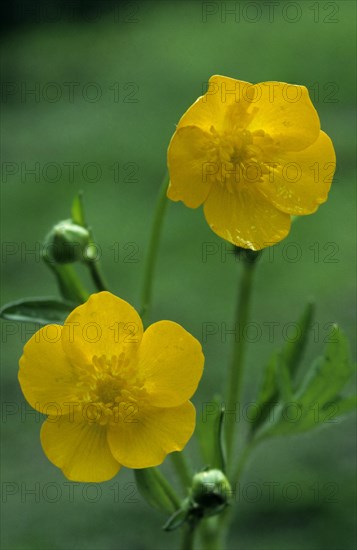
{"type": "Point", "coordinates": [238, 157]}
{"type": "Point", "coordinates": [110, 390]}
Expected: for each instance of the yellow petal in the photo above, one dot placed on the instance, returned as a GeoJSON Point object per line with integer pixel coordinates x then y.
{"type": "Point", "coordinates": [301, 180]}
{"type": "Point", "coordinates": [245, 218]}
{"type": "Point", "coordinates": [46, 376]}
{"type": "Point", "coordinates": [286, 113]}
{"type": "Point", "coordinates": [171, 363]}
{"type": "Point", "coordinates": [212, 108]}
{"type": "Point", "coordinates": [188, 161]}
{"type": "Point", "coordinates": [104, 325]}
{"type": "Point", "coordinates": [156, 433]}
{"type": "Point", "coordinates": [80, 449]}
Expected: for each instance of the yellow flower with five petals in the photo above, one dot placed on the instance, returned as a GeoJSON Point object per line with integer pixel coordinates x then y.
{"type": "Point", "coordinates": [253, 155]}
{"type": "Point", "coordinates": [114, 394]}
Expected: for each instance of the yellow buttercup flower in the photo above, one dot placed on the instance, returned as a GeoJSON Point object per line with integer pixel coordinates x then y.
{"type": "Point", "coordinates": [253, 155]}
{"type": "Point", "coordinates": [114, 394]}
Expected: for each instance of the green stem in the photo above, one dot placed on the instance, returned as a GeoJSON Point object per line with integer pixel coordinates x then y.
{"type": "Point", "coordinates": [211, 534]}
{"type": "Point", "coordinates": [156, 490]}
{"type": "Point", "coordinates": [225, 519]}
{"type": "Point", "coordinates": [182, 469]}
{"type": "Point", "coordinates": [237, 364]}
{"type": "Point", "coordinates": [68, 282]}
{"type": "Point", "coordinates": [97, 276]}
{"type": "Point", "coordinates": [188, 537]}
{"type": "Point", "coordinates": [153, 250]}
{"type": "Point", "coordinates": [167, 488]}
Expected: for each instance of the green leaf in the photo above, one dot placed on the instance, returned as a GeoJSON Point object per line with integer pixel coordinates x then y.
{"type": "Point", "coordinates": [317, 400]}
{"type": "Point", "coordinates": [269, 385]}
{"type": "Point", "coordinates": [294, 350]}
{"type": "Point", "coordinates": [41, 310]}
{"type": "Point", "coordinates": [344, 406]}
{"type": "Point", "coordinates": [268, 395]}
{"type": "Point", "coordinates": [283, 379]}
{"type": "Point", "coordinates": [210, 433]}
{"type": "Point", "coordinates": [77, 210]}
{"type": "Point", "coordinates": [281, 369]}
{"type": "Point", "coordinates": [330, 373]}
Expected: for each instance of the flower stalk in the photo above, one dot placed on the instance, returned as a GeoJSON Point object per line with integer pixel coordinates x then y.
{"type": "Point", "coordinates": [153, 251]}
{"type": "Point", "coordinates": [236, 373]}
{"type": "Point", "coordinates": [96, 275]}
{"type": "Point", "coordinates": [69, 284]}
{"type": "Point", "coordinates": [156, 490]}
{"type": "Point", "coordinates": [188, 537]}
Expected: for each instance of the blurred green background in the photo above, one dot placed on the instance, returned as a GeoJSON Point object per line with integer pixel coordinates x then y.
{"type": "Point", "coordinates": [134, 69]}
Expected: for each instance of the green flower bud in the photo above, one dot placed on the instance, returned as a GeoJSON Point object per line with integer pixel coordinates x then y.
{"type": "Point", "coordinates": [66, 243]}
{"type": "Point", "coordinates": [211, 491]}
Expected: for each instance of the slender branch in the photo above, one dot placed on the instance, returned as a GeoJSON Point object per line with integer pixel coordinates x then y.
{"type": "Point", "coordinates": [153, 250]}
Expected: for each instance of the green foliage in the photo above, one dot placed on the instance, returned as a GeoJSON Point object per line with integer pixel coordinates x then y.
{"type": "Point", "coordinates": [294, 350]}
{"type": "Point", "coordinates": [317, 400]}
{"type": "Point", "coordinates": [281, 369]}
{"type": "Point", "coordinates": [37, 310]}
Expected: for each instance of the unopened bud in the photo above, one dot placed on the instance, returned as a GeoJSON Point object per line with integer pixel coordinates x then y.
{"type": "Point", "coordinates": [66, 243]}
{"type": "Point", "coordinates": [211, 491]}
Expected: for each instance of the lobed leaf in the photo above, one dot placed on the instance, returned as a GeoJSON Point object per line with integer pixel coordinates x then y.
{"type": "Point", "coordinates": [317, 400]}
